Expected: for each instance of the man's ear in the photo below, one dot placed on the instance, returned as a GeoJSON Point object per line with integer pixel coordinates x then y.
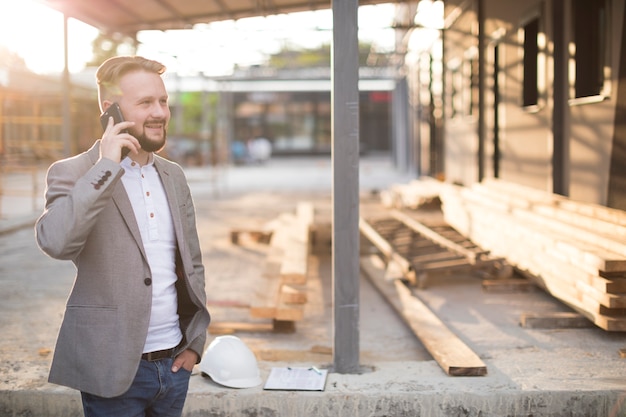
{"type": "Point", "coordinates": [105, 105]}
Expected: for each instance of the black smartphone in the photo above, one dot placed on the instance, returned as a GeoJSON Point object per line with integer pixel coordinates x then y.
{"type": "Point", "coordinates": [115, 112]}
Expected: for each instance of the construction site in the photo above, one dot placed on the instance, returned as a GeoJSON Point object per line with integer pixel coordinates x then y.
{"type": "Point", "coordinates": [447, 327]}
{"type": "Point", "coordinates": [441, 236]}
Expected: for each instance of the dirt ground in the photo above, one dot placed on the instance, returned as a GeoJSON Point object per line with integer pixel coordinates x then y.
{"type": "Point", "coordinates": [35, 287]}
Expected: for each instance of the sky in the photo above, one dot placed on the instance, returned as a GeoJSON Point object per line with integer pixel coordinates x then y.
{"type": "Point", "coordinates": [35, 32]}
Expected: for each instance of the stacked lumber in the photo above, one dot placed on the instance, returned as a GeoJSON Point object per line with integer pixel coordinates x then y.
{"type": "Point", "coordinates": [575, 251]}
{"type": "Point", "coordinates": [412, 195]}
{"type": "Point", "coordinates": [281, 291]}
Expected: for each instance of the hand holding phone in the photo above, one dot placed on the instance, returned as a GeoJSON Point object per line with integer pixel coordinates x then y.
{"type": "Point", "coordinates": [115, 112]}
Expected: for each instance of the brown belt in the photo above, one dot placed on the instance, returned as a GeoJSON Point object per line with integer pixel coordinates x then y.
{"type": "Point", "coordinates": [159, 354]}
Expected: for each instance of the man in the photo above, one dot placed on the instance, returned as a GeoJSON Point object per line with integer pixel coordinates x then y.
{"type": "Point", "coordinates": [135, 322]}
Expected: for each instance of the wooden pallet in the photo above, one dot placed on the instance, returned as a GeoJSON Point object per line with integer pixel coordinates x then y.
{"type": "Point", "coordinates": [416, 252]}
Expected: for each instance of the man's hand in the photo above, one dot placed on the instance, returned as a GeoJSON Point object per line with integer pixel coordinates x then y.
{"type": "Point", "coordinates": [114, 140]}
{"type": "Point", "coordinates": [187, 359]}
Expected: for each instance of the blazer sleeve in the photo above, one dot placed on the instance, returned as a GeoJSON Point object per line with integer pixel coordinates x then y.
{"type": "Point", "coordinates": [76, 192]}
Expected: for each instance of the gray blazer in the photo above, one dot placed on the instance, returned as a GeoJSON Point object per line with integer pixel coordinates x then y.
{"type": "Point", "coordinates": [88, 219]}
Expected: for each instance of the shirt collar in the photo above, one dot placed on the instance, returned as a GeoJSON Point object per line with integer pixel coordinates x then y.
{"type": "Point", "coordinates": [128, 163]}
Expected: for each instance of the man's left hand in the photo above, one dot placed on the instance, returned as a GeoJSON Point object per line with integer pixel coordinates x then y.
{"type": "Point", "coordinates": [187, 359]}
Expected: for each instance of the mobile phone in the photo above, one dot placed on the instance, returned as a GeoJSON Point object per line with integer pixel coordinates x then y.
{"type": "Point", "coordinates": [115, 112]}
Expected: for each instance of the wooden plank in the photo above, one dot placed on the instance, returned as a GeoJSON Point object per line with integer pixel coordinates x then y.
{"type": "Point", "coordinates": [572, 232]}
{"type": "Point", "coordinates": [289, 312]}
{"type": "Point", "coordinates": [265, 298]}
{"type": "Point", "coordinates": [267, 291]}
{"type": "Point", "coordinates": [297, 246]}
{"type": "Point", "coordinates": [282, 326]}
{"type": "Point", "coordinates": [454, 356]}
{"type": "Point", "coordinates": [230, 327]}
{"type": "Point", "coordinates": [592, 211]}
{"type": "Point", "coordinates": [513, 285]}
{"type": "Point", "coordinates": [609, 285]}
{"type": "Point", "coordinates": [305, 213]}
{"type": "Point", "coordinates": [617, 301]}
{"type": "Point", "coordinates": [555, 320]}
{"type": "Point", "coordinates": [443, 266]}
{"type": "Point", "coordinates": [257, 236]}
{"type": "Point", "coordinates": [400, 263]}
{"type": "Point", "coordinates": [291, 294]}
{"type": "Point", "coordinates": [589, 257]}
{"type": "Point", "coordinates": [412, 195]}
{"type": "Point", "coordinates": [293, 269]}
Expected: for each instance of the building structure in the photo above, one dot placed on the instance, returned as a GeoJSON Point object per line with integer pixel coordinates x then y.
{"type": "Point", "coordinates": [529, 92]}
{"type": "Point", "coordinates": [291, 108]}
{"type": "Point", "coordinates": [31, 117]}
{"type": "Point", "coordinates": [523, 91]}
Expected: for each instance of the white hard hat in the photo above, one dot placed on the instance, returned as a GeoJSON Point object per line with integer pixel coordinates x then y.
{"type": "Point", "coordinates": [229, 362]}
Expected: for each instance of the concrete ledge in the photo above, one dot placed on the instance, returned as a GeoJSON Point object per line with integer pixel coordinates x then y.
{"type": "Point", "coordinates": [420, 390]}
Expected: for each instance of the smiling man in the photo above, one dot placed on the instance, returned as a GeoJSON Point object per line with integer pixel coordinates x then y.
{"type": "Point", "coordinates": [135, 322]}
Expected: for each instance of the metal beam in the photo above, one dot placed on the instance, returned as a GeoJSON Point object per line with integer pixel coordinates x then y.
{"type": "Point", "coordinates": [66, 126]}
{"type": "Point", "coordinates": [345, 190]}
{"type": "Point", "coordinates": [560, 109]}
{"type": "Point", "coordinates": [482, 77]}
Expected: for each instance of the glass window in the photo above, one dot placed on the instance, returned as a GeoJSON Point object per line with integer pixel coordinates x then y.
{"type": "Point", "coordinates": [531, 54]}
{"type": "Point", "coordinates": [590, 39]}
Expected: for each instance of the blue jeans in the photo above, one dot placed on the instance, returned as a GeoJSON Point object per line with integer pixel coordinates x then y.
{"type": "Point", "coordinates": [155, 392]}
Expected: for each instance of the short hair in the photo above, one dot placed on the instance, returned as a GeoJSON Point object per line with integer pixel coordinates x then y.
{"type": "Point", "coordinates": [113, 69]}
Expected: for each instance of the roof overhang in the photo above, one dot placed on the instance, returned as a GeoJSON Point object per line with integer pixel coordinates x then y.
{"type": "Point", "coordinates": [130, 17]}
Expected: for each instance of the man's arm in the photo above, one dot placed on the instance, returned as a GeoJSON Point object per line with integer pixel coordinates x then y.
{"type": "Point", "coordinates": [76, 192]}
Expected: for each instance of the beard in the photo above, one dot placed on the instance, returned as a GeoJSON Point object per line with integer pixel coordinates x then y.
{"type": "Point", "coordinates": [150, 144]}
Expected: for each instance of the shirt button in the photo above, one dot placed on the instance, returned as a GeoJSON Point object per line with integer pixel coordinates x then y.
{"type": "Point", "coordinates": [148, 193]}
{"type": "Point", "coordinates": [147, 281]}
{"type": "Point", "coordinates": [151, 215]}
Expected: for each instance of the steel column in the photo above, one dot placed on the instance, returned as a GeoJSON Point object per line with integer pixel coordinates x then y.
{"type": "Point", "coordinates": [345, 187]}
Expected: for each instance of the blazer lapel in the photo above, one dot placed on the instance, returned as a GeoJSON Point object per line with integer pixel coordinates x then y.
{"type": "Point", "coordinates": [122, 202]}
{"type": "Point", "coordinates": [172, 198]}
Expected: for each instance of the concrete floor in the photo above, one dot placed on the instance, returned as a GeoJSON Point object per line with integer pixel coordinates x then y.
{"type": "Point", "coordinates": [531, 372]}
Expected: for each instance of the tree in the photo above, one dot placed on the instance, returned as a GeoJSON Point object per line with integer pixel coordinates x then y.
{"type": "Point", "coordinates": [296, 58]}
{"type": "Point", "coordinates": [106, 46]}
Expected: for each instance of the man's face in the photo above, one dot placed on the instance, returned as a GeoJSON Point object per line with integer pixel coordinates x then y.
{"type": "Point", "coordinates": [144, 101]}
